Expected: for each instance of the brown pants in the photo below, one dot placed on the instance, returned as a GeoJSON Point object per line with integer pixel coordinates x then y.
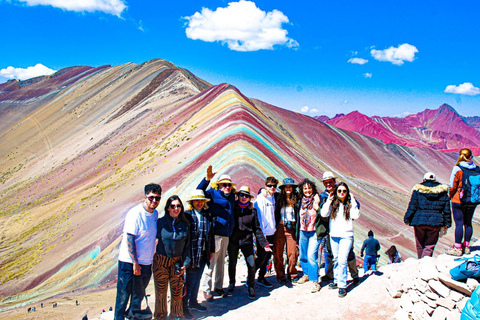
{"type": "Point", "coordinates": [163, 274]}
{"type": "Point", "coordinates": [282, 236]}
{"type": "Point", "coordinates": [426, 237]}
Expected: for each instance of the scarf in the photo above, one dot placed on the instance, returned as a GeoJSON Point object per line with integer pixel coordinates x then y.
{"type": "Point", "coordinates": [307, 202]}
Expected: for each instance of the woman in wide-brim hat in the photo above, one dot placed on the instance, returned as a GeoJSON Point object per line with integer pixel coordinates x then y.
{"type": "Point", "coordinates": [202, 246]}
{"type": "Point", "coordinates": [286, 208]}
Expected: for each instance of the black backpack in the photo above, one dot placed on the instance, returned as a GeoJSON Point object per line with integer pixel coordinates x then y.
{"type": "Point", "coordinates": [470, 191]}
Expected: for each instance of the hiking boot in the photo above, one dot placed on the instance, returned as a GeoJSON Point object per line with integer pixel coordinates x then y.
{"type": "Point", "coordinates": [455, 252]}
{"type": "Point", "coordinates": [197, 307]}
{"type": "Point", "coordinates": [332, 285]}
{"type": "Point", "coordinates": [316, 287]}
{"type": "Point", "coordinates": [342, 292]}
{"type": "Point", "coordinates": [466, 250]}
{"type": "Point", "coordinates": [187, 314]}
{"type": "Point", "coordinates": [251, 293]}
{"type": "Point", "coordinates": [208, 296]}
{"type": "Point", "coordinates": [356, 281]}
{"type": "Point", "coordinates": [282, 282]}
{"type": "Point", "coordinates": [264, 283]}
{"type": "Point", "coordinates": [327, 278]}
{"type": "Point", "coordinates": [303, 279]}
{"type": "Point", "coordinates": [230, 288]}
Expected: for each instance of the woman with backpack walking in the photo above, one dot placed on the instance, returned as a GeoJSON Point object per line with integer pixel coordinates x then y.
{"type": "Point", "coordinates": [463, 192]}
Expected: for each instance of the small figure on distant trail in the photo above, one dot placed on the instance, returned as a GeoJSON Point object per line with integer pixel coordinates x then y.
{"type": "Point", "coordinates": [464, 192]}
{"type": "Point", "coordinates": [29, 309]}
{"type": "Point", "coordinates": [76, 302]}
{"type": "Point", "coordinates": [393, 255]}
{"type": "Point", "coordinates": [41, 305]}
{"type": "Point", "coordinates": [110, 309]}
{"type": "Point", "coordinates": [371, 246]}
{"type": "Point", "coordinates": [428, 212]}
{"type": "Point", "coordinates": [222, 196]}
{"type": "Point", "coordinates": [136, 252]}
{"type": "Point", "coordinates": [85, 317]}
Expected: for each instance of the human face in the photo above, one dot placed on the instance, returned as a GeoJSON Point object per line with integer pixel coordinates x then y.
{"type": "Point", "coordinates": [271, 187]}
{"type": "Point", "coordinates": [288, 189]}
{"type": "Point", "coordinates": [307, 190]}
{"type": "Point", "coordinates": [329, 184]}
{"type": "Point", "coordinates": [152, 200]}
{"type": "Point", "coordinates": [226, 188]}
{"type": "Point", "coordinates": [342, 193]}
{"type": "Point", "coordinates": [243, 198]}
{"type": "Point", "coordinates": [174, 209]}
{"type": "Point", "coordinates": [198, 204]}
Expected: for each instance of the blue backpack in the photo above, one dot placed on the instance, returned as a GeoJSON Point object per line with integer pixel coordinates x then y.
{"type": "Point", "coordinates": [470, 191]}
{"type": "Point", "coordinates": [471, 310]}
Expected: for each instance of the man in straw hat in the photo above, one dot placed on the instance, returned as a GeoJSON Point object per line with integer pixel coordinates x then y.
{"type": "Point", "coordinates": [222, 197]}
{"type": "Point", "coordinates": [202, 244]}
{"type": "Point", "coordinates": [246, 224]}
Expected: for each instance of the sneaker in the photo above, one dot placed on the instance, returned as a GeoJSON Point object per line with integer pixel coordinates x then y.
{"type": "Point", "coordinates": [282, 282]}
{"type": "Point", "coordinates": [303, 279]}
{"type": "Point", "coordinates": [466, 250]}
{"type": "Point", "coordinates": [455, 252]}
{"type": "Point", "coordinates": [327, 278]}
{"type": "Point", "coordinates": [230, 288]}
{"type": "Point", "coordinates": [264, 283]}
{"type": "Point", "coordinates": [332, 285]}
{"type": "Point", "coordinates": [251, 293]}
{"type": "Point", "coordinates": [221, 292]}
{"type": "Point", "coordinates": [208, 296]}
{"type": "Point", "coordinates": [316, 287]}
{"type": "Point", "coordinates": [187, 314]}
{"type": "Point", "coordinates": [342, 292]}
{"type": "Point", "coordinates": [356, 281]}
{"type": "Point", "coordinates": [197, 307]}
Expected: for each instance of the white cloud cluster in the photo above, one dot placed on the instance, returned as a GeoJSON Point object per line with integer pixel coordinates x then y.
{"type": "Point", "coordinates": [23, 74]}
{"type": "Point", "coordinates": [466, 88]}
{"type": "Point", "coordinates": [241, 25]}
{"type": "Point", "coordinates": [367, 75]}
{"type": "Point", "coordinates": [404, 52]}
{"type": "Point", "coordinates": [114, 7]}
{"type": "Point", "coordinates": [357, 60]}
{"type": "Point", "coordinates": [304, 109]}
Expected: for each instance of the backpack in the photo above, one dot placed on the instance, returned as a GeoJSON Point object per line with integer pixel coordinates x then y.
{"type": "Point", "coordinates": [470, 268]}
{"type": "Point", "coordinates": [470, 191]}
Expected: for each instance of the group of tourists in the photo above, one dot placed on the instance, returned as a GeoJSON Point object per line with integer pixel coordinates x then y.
{"type": "Point", "coordinates": [186, 248]}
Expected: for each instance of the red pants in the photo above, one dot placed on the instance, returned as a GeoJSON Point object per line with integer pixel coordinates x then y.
{"type": "Point", "coordinates": [284, 236]}
{"type": "Point", "coordinates": [426, 238]}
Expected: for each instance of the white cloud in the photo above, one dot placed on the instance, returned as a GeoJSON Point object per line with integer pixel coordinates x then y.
{"type": "Point", "coordinates": [241, 25]}
{"type": "Point", "coordinates": [114, 7]}
{"type": "Point", "coordinates": [313, 110]}
{"type": "Point", "coordinates": [304, 109]}
{"type": "Point", "coordinates": [357, 60]}
{"type": "Point", "coordinates": [22, 74]}
{"type": "Point", "coordinates": [404, 52]}
{"type": "Point", "coordinates": [367, 75]}
{"type": "Point", "coordinates": [465, 88]}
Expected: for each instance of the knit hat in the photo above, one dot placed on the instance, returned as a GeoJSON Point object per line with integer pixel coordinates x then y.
{"type": "Point", "coordinates": [429, 176]}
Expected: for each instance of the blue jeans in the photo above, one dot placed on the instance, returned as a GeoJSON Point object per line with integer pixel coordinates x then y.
{"type": "Point", "coordinates": [194, 275]}
{"type": "Point", "coordinates": [340, 249]}
{"type": "Point", "coordinates": [309, 254]}
{"type": "Point", "coordinates": [132, 286]}
{"type": "Point", "coordinates": [369, 261]}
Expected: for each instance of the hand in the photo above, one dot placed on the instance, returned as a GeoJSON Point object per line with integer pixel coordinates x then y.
{"type": "Point", "coordinates": [210, 173]}
{"type": "Point", "coordinates": [182, 272]}
{"type": "Point", "coordinates": [267, 248]}
{"type": "Point", "coordinates": [263, 192]}
{"type": "Point", "coordinates": [316, 198]}
{"type": "Point", "coordinates": [137, 270]}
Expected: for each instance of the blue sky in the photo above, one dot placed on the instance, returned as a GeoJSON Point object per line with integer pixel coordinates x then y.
{"type": "Point", "coordinates": [317, 57]}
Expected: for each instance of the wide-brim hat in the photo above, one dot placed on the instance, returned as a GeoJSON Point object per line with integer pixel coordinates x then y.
{"type": "Point", "coordinates": [327, 175]}
{"type": "Point", "coordinates": [197, 195]}
{"type": "Point", "coordinates": [245, 190]}
{"type": "Point", "coordinates": [288, 182]}
{"type": "Point", "coordinates": [224, 178]}
{"type": "Point", "coordinates": [429, 176]}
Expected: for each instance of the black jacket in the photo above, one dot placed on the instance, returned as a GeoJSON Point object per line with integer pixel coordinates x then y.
{"type": "Point", "coordinates": [246, 223]}
{"type": "Point", "coordinates": [173, 243]}
{"type": "Point", "coordinates": [429, 205]}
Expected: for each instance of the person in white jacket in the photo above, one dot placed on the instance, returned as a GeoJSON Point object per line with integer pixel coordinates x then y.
{"type": "Point", "coordinates": [342, 208]}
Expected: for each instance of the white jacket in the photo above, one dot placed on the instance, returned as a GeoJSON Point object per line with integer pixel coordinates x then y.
{"type": "Point", "coordinates": [339, 227]}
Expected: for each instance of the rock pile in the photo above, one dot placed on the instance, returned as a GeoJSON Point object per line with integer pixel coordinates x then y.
{"type": "Point", "coordinates": [426, 289]}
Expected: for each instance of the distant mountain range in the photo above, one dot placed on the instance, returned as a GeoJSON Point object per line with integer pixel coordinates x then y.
{"type": "Point", "coordinates": [442, 129]}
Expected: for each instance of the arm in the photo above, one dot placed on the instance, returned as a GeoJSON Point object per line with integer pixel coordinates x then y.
{"type": "Point", "coordinates": [355, 209]}
{"type": "Point", "coordinates": [258, 231]}
{"type": "Point", "coordinates": [363, 248]}
{"type": "Point", "coordinates": [412, 208]}
{"type": "Point", "coordinates": [325, 211]}
{"type": "Point", "coordinates": [447, 214]}
{"type": "Point", "coordinates": [133, 254]}
{"type": "Point", "coordinates": [187, 251]}
{"type": "Point", "coordinates": [455, 183]}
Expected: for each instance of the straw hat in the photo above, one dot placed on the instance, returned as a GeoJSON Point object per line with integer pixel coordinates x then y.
{"type": "Point", "coordinates": [245, 190]}
{"type": "Point", "coordinates": [327, 175]}
{"type": "Point", "coordinates": [224, 178]}
{"type": "Point", "coordinates": [197, 195]}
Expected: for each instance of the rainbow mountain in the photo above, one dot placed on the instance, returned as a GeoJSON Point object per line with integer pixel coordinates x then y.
{"type": "Point", "coordinates": [78, 146]}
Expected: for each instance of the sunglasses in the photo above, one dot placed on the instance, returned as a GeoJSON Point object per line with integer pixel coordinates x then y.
{"type": "Point", "coordinates": [243, 195]}
{"type": "Point", "coordinates": [271, 185]}
{"type": "Point", "coordinates": [341, 191]}
{"type": "Point", "coordinates": [151, 198]}
{"type": "Point", "coordinates": [225, 185]}
{"type": "Point", "coordinates": [174, 206]}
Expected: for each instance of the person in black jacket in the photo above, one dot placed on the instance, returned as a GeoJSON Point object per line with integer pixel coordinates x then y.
{"type": "Point", "coordinates": [246, 224]}
{"type": "Point", "coordinates": [428, 212]}
{"type": "Point", "coordinates": [202, 245]}
{"type": "Point", "coordinates": [172, 257]}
